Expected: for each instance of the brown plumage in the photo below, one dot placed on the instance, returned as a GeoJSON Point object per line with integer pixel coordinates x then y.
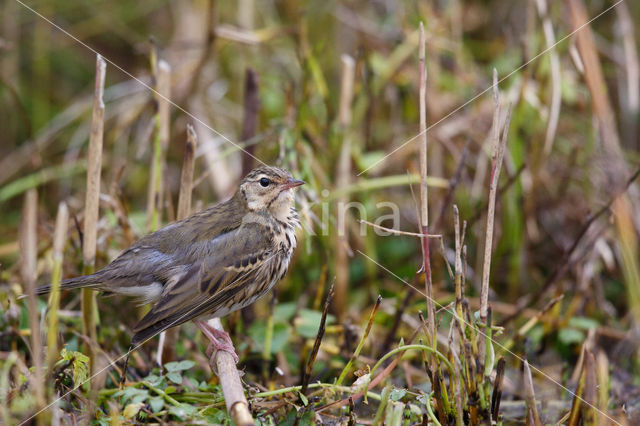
{"type": "Point", "coordinates": [210, 264]}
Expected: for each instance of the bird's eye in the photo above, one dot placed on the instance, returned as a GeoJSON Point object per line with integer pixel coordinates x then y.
{"type": "Point", "coordinates": [265, 182]}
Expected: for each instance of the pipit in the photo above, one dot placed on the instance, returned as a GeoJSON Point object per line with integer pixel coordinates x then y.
{"type": "Point", "coordinates": [210, 264]}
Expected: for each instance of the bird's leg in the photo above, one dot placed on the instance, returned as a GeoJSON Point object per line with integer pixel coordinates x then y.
{"type": "Point", "coordinates": [219, 341]}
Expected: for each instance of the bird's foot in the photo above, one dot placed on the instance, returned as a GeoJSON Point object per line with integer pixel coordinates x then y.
{"type": "Point", "coordinates": [219, 341]}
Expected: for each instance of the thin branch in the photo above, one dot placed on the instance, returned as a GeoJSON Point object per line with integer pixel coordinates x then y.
{"type": "Point", "coordinates": [397, 231]}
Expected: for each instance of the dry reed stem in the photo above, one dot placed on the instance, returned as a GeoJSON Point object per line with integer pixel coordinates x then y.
{"type": "Point", "coordinates": [488, 243]}
{"type": "Point", "coordinates": [424, 191]}
{"type": "Point", "coordinates": [530, 396]}
{"type": "Point", "coordinates": [234, 397]}
{"type": "Point", "coordinates": [186, 177]}
{"type": "Point", "coordinates": [556, 76]}
{"type": "Point", "coordinates": [29, 272]}
{"type": "Point", "coordinates": [91, 210]}
{"type": "Point", "coordinates": [343, 173]}
{"type": "Point", "coordinates": [59, 241]}
{"type": "Point", "coordinates": [170, 336]}
{"type": "Point", "coordinates": [160, 144]}
{"type": "Point", "coordinates": [602, 370]}
{"type": "Point", "coordinates": [590, 395]}
{"type": "Point", "coordinates": [250, 119]}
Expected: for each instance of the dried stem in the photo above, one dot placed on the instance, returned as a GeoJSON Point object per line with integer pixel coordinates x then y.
{"type": "Point", "coordinates": [316, 344]}
{"type": "Point", "coordinates": [29, 270]}
{"type": "Point", "coordinates": [530, 396]}
{"type": "Point", "coordinates": [170, 336]}
{"type": "Point", "coordinates": [59, 241]}
{"type": "Point", "coordinates": [397, 231]}
{"type": "Point", "coordinates": [186, 178]}
{"type": "Point", "coordinates": [343, 173]}
{"type": "Point", "coordinates": [424, 189]}
{"type": "Point", "coordinates": [91, 211]}
{"type": "Point", "coordinates": [160, 142]}
{"type": "Point", "coordinates": [251, 116]}
{"type": "Point", "coordinates": [496, 396]}
{"type": "Point", "coordinates": [497, 155]}
{"type": "Point", "coordinates": [236, 402]}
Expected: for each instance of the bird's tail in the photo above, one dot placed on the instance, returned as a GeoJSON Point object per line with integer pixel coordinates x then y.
{"type": "Point", "coordinates": [71, 283]}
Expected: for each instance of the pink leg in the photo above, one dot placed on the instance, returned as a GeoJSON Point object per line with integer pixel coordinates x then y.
{"type": "Point", "coordinates": [219, 341]}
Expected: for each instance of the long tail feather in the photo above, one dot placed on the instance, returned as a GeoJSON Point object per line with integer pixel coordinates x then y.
{"type": "Point", "coordinates": [71, 283]}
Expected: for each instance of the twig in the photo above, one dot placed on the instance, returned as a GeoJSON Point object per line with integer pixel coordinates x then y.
{"type": "Point", "coordinates": [91, 211]}
{"type": "Point", "coordinates": [236, 402]}
{"type": "Point", "coordinates": [316, 344]}
{"type": "Point", "coordinates": [29, 269]}
{"type": "Point", "coordinates": [397, 231]}
{"type": "Point", "coordinates": [343, 173]}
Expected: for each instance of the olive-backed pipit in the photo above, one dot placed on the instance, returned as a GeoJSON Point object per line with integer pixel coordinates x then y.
{"type": "Point", "coordinates": [210, 264]}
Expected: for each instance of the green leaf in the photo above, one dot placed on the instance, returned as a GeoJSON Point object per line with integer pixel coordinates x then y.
{"type": "Point", "coordinates": [179, 365]}
{"type": "Point", "coordinates": [154, 380]}
{"type": "Point", "coordinates": [133, 395]}
{"type": "Point", "coordinates": [156, 404]}
{"type": "Point", "coordinates": [182, 411]}
{"type": "Point", "coordinates": [304, 399]}
{"type": "Point", "coordinates": [186, 364]}
{"type": "Point", "coordinates": [570, 336]}
{"type": "Point", "coordinates": [132, 410]}
{"type": "Point", "coordinates": [583, 323]}
{"type": "Point", "coordinates": [397, 394]}
{"type": "Point", "coordinates": [281, 333]}
{"type": "Point", "coordinates": [284, 312]}
{"type": "Point", "coordinates": [170, 390]}
{"type": "Point", "coordinates": [175, 377]}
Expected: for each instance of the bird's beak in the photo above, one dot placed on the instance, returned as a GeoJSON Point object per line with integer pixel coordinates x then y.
{"type": "Point", "coordinates": [292, 183]}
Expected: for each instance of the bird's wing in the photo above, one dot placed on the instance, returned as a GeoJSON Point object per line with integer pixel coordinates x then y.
{"type": "Point", "coordinates": [153, 262]}
{"type": "Point", "coordinates": [224, 273]}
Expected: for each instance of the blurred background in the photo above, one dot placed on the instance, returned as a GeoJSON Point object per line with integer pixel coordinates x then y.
{"type": "Point", "coordinates": [266, 76]}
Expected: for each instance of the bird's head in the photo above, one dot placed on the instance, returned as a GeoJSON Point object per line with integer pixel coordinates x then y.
{"type": "Point", "coordinates": [269, 188]}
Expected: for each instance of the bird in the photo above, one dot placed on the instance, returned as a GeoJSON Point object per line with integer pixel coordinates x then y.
{"type": "Point", "coordinates": [209, 264]}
